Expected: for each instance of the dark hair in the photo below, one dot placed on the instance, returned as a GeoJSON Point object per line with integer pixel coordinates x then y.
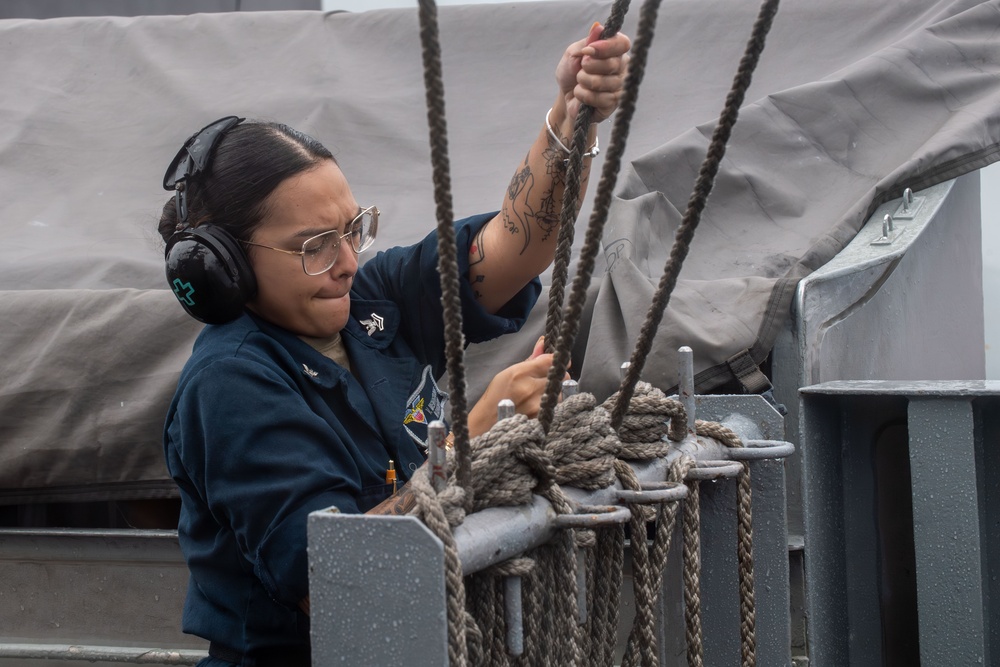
{"type": "Point", "coordinates": [251, 160]}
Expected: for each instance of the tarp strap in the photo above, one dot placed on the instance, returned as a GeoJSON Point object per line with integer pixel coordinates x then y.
{"type": "Point", "coordinates": [748, 373]}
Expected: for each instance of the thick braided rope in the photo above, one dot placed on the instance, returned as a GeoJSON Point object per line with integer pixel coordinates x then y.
{"type": "Point", "coordinates": [744, 543]}
{"type": "Point", "coordinates": [509, 464]}
{"type": "Point", "coordinates": [447, 251]}
{"type": "Point", "coordinates": [533, 609]}
{"type": "Point", "coordinates": [606, 602]}
{"type": "Point", "coordinates": [641, 432]}
{"type": "Point", "coordinates": [570, 324]}
{"type": "Point", "coordinates": [696, 204]}
{"type": "Point", "coordinates": [486, 603]}
{"type": "Point", "coordinates": [657, 562]}
{"type": "Point", "coordinates": [644, 626]}
{"type": "Point", "coordinates": [432, 513]}
{"type": "Point", "coordinates": [571, 194]}
{"type": "Point", "coordinates": [692, 575]}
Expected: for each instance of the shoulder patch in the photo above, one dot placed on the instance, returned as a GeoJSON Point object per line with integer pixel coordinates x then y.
{"type": "Point", "coordinates": [425, 404]}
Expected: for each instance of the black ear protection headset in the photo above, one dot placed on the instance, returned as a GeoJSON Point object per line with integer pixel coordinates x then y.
{"type": "Point", "coordinates": [207, 269]}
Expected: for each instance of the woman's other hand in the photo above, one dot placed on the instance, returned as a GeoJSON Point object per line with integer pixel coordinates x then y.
{"type": "Point", "coordinates": [523, 383]}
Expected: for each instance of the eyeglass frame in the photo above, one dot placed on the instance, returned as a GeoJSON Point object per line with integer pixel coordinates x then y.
{"type": "Point", "coordinates": [373, 210]}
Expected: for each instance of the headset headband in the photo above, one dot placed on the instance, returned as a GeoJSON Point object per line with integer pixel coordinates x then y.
{"type": "Point", "coordinates": [193, 158]}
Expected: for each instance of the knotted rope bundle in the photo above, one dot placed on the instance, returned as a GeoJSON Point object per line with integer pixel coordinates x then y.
{"type": "Point", "coordinates": [651, 416]}
{"type": "Point", "coordinates": [509, 462]}
{"type": "Point", "coordinates": [582, 444]}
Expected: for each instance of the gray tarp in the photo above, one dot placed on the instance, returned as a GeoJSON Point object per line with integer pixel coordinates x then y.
{"type": "Point", "coordinates": [853, 101]}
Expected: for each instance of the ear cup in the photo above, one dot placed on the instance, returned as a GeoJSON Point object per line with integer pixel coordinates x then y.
{"type": "Point", "coordinates": [209, 274]}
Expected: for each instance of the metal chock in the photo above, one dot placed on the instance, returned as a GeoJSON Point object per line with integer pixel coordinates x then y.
{"type": "Point", "coordinates": [623, 369]}
{"type": "Point", "coordinates": [593, 516]}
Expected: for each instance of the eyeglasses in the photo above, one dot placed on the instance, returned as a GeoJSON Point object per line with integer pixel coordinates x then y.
{"type": "Point", "coordinates": [320, 252]}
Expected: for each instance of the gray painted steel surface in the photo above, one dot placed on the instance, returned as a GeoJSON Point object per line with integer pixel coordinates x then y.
{"type": "Point", "coordinates": [905, 311]}
{"type": "Point", "coordinates": [752, 417]}
{"type": "Point", "coordinates": [376, 588]}
{"type": "Point", "coordinates": [900, 503]}
{"type": "Point", "coordinates": [103, 591]}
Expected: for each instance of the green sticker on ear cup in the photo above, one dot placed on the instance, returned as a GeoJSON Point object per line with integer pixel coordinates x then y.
{"type": "Point", "coordinates": [188, 292]}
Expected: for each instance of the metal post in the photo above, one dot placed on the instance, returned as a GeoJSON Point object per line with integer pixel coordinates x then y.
{"type": "Point", "coordinates": [946, 531]}
{"type": "Point", "coordinates": [437, 459]}
{"type": "Point", "coordinates": [570, 388]}
{"type": "Point", "coordinates": [512, 607]}
{"type": "Point", "coordinates": [685, 384]}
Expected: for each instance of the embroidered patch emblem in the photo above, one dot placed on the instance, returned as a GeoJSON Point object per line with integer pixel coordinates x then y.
{"type": "Point", "coordinates": [375, 323]}
{"type": "Point", "coordinates": [416, 414]}
{"type": "Point", "coordinates": [425, 404]}
{"type": "Point", "coordinates": [308, 371]}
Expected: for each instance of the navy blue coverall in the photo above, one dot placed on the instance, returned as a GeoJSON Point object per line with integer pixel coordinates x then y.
{"type": "Point", "coordinates": [263, 430]}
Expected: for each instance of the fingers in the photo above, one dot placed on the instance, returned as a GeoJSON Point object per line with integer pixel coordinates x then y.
{"type": "Point", "coordinates": [595, 32]}
{"type": "Point", "coordinates": [539, 347]}
{"type": "Point", "coordinates": [617, 45]}
{"type": "Point", "coordinates": [601, 76]}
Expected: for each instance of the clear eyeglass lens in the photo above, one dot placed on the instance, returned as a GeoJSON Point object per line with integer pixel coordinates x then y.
{"type": "Point", "coordinates": [363, 232]}
{"type": "Point", "coordinates": [320, 252]}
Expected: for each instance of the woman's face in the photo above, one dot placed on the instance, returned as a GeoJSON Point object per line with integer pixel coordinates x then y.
{"type": "Point", "coordinates": [301, 207]}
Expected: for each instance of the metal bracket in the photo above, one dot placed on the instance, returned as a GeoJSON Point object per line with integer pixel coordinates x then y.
{"type": "Point", "coordinates": [909, 207]}
{"type": "Point", "coordinates": [889, 234]}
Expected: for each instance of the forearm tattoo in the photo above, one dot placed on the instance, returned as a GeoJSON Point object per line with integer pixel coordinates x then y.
{"type": "Point", "coordinates": [555, 169]}
{"type": "Point", "coordinates": [399, 504]}
{"type": "Point", "coordinates": [517, 217]}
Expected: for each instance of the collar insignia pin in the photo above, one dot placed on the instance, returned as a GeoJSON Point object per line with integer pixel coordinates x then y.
{"type": "Point", "coordinates": [376, 323]}
{"type": "Point", "coordinates": [308, 371]}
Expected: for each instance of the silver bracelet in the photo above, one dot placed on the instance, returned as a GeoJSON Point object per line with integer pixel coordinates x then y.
{"type": "Point", "coordinates": [594, 151]}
